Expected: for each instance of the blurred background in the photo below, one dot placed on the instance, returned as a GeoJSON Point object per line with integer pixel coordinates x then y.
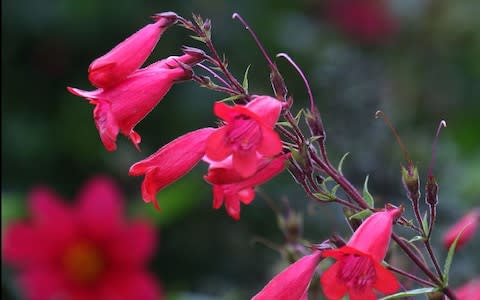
{"type": "Point", "coordinates": [417, 60]}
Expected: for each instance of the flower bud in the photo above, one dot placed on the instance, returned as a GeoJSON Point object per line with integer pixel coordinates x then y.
{"type": "Point", "coordinates": [411, 182]}
{"type": "Point", "coordinates": [431, 191]}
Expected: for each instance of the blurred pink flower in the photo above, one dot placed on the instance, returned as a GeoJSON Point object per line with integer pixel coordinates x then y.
{"type": "Point", "coordinates": [470, 290]}
{"type": "Point", "coordinates": [467, 226]}
{"type": "Point", "coordinates": [84, 251]}
{"type": "Point", "coordinates": [368, 21]}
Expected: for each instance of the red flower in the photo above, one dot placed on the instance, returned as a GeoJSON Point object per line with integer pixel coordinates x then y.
{"type": "Point", "coordinates": [368, 21]}
{"type": "Point", "coordinates": [121, 107]}
{"type": "Point", "coordinates": [129, 55]}
{"type": "Point", "coordinates": [248, 131]}
{"type": "Point", "coordinates": [231, 188]}
{"type": "Point", "coordinates": [470, 290]}
{"type": "Point", "coordinates": [468, 223]}
{"type": "Point", "coordinates": [292, 283]}
{"type": "Point", "coordinates": [171, 162]}
{"type": "Point", "coordinates": [80, 252]}
{"type": "Point", "coordinates": [358, 268]}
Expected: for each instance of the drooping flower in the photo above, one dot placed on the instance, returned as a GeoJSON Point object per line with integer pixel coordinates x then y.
{"type": "Point", "coordinates": [171, 162]}
{"type": "Point", "coordinates": [248, 131]}
{"type": "Point", "coordinates": [129, 55]}
{"type": "Point", "coordinates": [470, 290]}
{"type": "Point", "coordinates": [358, 268]}
{"type": "Point", "coordinates": [121, 107]}
{"type": "Point", "coordinates": [367, 21]}
{"type": "Point", "coordinates": [79, 251]}
{"type": "Point", "coordinates": [466, 227]}
{"type": "Point", "coordinates": [292, 283]}
{"type": "Point", "coordinates": [231, 189]}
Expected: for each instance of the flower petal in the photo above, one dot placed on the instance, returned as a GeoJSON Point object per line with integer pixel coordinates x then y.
{"type": "Point", "coordinates": [245, 162]}
{"type": "Point", "coordinates": [366, 294]}
{"type": "Point", "coordinates": [385, 282]}
{"type": "Point", "coordinates": [267, 108]}
{"type": "Point", "coordinates": [100, 207]}
{"type": "Point", "coordinates": [271, 143]}
{"type": "Point", "coordinates": [171, 162]}
{"type": "Point", "coordinates": [292, 283]}
{"type": "Point", "coordinates": [332, 287]}
{"type": "Point", "coordinates": [217, 147]}
{"type": "Point", "coordinates": [138, 233]}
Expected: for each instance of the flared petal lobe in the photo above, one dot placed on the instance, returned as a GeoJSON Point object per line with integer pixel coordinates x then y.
{"type": "Point", "coordinates": [231, 188]}
{"type": "Point", "coordinates": [171, 162]}
{"type": "Point", "coordinates": [292, 283]}
{"type": "Point", "coordinates": [129, 55]}
{"type": "Point", "coordinates": [466, 226]}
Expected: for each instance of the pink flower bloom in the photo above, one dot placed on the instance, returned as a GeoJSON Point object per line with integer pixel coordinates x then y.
{"type": "Point", "coordinates": [292, 283]}
{"type": "Point", "coordinates": [81, 251]}
{"type": "Point", "coordinates": [369, 21]}
{"type": "Point", "coordinates": [171, 162]}
{"type": "Point", "coordinates": [358, 268]}
{"type": "Point", "coordinates": [231, 188]}
{"type": "Point", "coordinates": [470, 290]}
{"type": "Point", "coordinates": [469, 224]}
{"type": "Point", "coordinates": [121, 107]}
{"type": "Point", "coordinates": [129, 55]}
{"type": "Point", "coordinates": [248, 130]}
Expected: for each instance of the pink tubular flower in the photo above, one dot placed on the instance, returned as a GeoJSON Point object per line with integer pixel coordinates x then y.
{"type": "Point", "coordinates": [468, 224]}
{"type": "Point", "coordinates": [470, 290]}
{"type": "Point", "coordinates": [358, 268]}
{"type": "Point", "coordinates": [171, 162]}
{"type": "Point", "coordinates": [129, 55]}
{"type": "Point", "coordinates": [121, 107]}
{"type": "Point", "coordinates": [248, 130]}
{"type": "Point", "coordinates": [292, 283]}
{"type": "Point", "coordinates": [231, 188]}
{"type": "Point", "coordinates": [79, 252]}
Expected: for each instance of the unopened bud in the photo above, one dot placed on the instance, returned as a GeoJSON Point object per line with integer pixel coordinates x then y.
{"type": "Point", "coordinates": [168, 18]}
{"type": "Point", "coordinates": [291, 225]}
{"type": "Point", "coordinates": [411, 182]}
{"type": "Point", "coordinates": [315, 124]}
{"type": "Point", "coordinates": [431, 191]}
{"type": "Point", "coordinates": [278, 84]}
{"type": "Point", "coordinates": [436, 296]}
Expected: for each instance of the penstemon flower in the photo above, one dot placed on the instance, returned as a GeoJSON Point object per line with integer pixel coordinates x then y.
{"type": "Point", "coordinates": [121, 107]}
{"type": "Point", "coordinates": [248, 130]}
{"type": "Point", "coordinates": [465, 227]}
{"type": "Point", "coordinates": [358, 269]}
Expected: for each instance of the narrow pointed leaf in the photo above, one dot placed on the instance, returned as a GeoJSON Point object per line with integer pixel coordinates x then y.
{"type": "Point", "coordinates": [448, 260]}
{"type": "Point", "coordinates": [361, 214]}
{"type": "Point", "coordinates": [410, 293]}
{"type": "Point", "coordinates": [366, 194]}
{"type": "Point", "coordinates": [245, 79]}
{"type": "Point", "coordinates": [340, 164]}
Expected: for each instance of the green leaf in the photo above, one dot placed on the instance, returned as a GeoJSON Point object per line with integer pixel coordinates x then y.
{"type": "Point", "coordinates": [340, 164]}
{"type": "Point", "coordinates": [361, 214]}
{"type": "Point", "coordinates": [324, 197]}
{"type": "Point", "coordinates": [411, 293]}
{"type": "Point", "coordinates": [232, 98]}
{"type": "Point", "coordinates": [425, 225]}
{"type": "Point", "coordinates": [245, 79]}
{"type": "Point", "coordinates": [198, 38]}
{"type": "Point", "coordinates": [334, 190]}
{"type": "Point", "coordinates": [451, 252]}
{"type": "Point", "coordinates": [366, 194]}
